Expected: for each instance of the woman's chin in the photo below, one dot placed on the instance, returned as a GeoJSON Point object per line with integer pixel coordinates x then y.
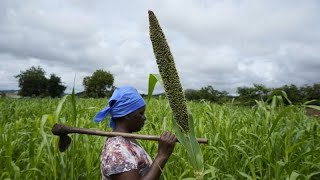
{"type": "Point", "coordinates": [140, 127]}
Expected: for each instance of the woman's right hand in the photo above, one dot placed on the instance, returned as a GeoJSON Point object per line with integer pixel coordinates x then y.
{"type": "Point", "coordinates": [166, 144]}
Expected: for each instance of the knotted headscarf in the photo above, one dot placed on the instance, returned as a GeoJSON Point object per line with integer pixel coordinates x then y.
{"type": "Point", "coordinates": [123, 101]}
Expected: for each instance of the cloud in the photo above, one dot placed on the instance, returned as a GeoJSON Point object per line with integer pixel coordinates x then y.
{"type": "Point", "coordinates": [225, 44]}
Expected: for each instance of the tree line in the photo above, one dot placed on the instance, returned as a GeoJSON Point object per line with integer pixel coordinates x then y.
{"type": "Point", "coordinates": [249, 95]}
{"type": "Point", "coordinates": [33, 83]}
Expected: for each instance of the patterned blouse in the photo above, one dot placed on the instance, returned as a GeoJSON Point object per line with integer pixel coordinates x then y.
{"type": "Point", "coordinates": [121, 155]}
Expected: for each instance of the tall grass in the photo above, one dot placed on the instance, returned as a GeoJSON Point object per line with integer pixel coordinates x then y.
{"type": "Point", "coordinates": [269, 141]}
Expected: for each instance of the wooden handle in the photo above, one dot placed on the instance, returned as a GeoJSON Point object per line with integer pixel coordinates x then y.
{"type": "Point", "coordinates": [61, 129]}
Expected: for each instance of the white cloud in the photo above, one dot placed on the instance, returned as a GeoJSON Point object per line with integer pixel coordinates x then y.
{"type": "Point", "coordinates": [225, 44]}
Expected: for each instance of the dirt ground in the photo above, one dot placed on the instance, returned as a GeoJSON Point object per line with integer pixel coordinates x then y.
{"type": "Point", "coordinates": [313, 112]}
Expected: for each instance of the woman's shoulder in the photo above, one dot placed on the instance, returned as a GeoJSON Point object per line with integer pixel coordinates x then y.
{"type": "Point", "coordinates": [117, 156]}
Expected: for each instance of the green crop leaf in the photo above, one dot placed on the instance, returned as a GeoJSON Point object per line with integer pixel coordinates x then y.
{"type": "Point", "coordinates": [313, 107]}
{"type": "Point", "coordinates": [56, 114]}
{"type": "Point", "coordinates": [153, 79]}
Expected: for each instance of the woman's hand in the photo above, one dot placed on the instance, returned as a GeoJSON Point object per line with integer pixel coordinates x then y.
{"type": "Point", "coordinates": [166, 144]}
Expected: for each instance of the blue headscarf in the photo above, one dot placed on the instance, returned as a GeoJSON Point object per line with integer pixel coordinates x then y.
{"type": "Point", "coordinates": [123, 101]}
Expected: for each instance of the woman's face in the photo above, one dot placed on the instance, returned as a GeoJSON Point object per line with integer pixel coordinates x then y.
{"type": "Point", "coordinates": [137, 119]}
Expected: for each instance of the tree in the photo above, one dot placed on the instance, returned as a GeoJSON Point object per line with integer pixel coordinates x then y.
{"type": "Point", "coordinates": [207, 93]}
{"type": "Point", "coordinates": [311, 93]}
{"type": "Point", "coordinates": [191, 94]}
{"type": "Point", "coordinates": [210, 94]}
{"type": "Point", "coordinates": [248, 95]}
{"type": "Point", "coordinates": [262, 91]}
{"type": "Point", "coordinates": [55, 87]}
{"type": "Point", "coordinates": [32, 82]}
{"type": "Point", "coordinates": [293, 93]}
{"type": "Point", "coordinates": [100, 84]}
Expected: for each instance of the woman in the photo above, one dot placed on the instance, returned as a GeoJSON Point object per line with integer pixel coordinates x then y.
{"type": "Point", "coordinates": [124, 158]}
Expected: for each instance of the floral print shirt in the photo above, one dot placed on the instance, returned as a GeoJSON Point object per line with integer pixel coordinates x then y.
{"type": "Point", "coordinates": [121, 155]}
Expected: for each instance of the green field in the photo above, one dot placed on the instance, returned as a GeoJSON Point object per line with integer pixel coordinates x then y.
{"type": "Point", "coordinates": [269, 141]}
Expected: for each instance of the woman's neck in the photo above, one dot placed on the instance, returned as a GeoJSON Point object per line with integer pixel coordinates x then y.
{"type": "Point", "coordinates": [125, 130]}
{"type": "Point", "coordinates": [121, 129]}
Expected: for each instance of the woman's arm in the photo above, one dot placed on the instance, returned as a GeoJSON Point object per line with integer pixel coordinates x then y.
{"type": "Point", "coordinates": [165, 149]}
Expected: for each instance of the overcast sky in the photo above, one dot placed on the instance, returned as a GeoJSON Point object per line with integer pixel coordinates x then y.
{"type": "Point", "coordinates": [225, 44]}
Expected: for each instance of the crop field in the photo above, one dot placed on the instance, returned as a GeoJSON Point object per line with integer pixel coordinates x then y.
{"type": "Point", "coordinates": [268, 141]}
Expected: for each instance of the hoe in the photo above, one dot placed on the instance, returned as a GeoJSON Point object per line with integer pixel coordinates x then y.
{"type": "Point", "coordinates": [62, 131]}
